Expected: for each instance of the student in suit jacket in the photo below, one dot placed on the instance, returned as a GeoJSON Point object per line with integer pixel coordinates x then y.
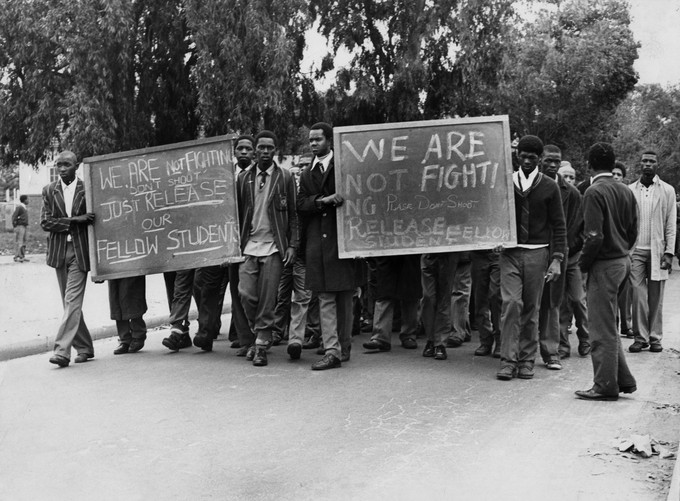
{"type": "Point", "coordinates": [269, 239]}
{"type": "Point", "coordinates": [333, 279]}
{"type": "Point", "coordinates": [65, 217]}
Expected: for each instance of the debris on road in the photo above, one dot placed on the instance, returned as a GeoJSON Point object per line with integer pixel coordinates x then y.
{"type": "Point", "coordinates": [643, 446]}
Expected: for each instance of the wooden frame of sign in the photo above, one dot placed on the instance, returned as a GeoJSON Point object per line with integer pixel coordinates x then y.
{"type": "Point", "coordinates": [422, 187]}
{"type": "Point", "coordinates": [164, 208]}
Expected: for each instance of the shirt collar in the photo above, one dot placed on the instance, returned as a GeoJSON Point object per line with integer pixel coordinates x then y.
{"type": "Point", "coordinates": [602, 174]}
{"type": "Point", "coordinates": [522, 181]}
{"type": "Point", "coordinates": [69, 187]}
{"type": "Point", "coordinates": [325, 160]}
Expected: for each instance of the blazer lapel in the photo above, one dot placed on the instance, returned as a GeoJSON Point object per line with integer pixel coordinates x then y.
{"type": "Point", "coordinates": [79, 199]}
{"type": "Point", "coordinates": [59, 199]}
{"type": "Point", "coordinates": [272, 187]}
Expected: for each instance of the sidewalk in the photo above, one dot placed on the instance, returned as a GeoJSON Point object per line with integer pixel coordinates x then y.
{"type": "Point", "coordinates": [31, 307]}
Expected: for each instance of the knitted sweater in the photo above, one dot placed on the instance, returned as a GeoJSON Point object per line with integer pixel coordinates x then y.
{"type": "Point", "coordinates": [540, 210]}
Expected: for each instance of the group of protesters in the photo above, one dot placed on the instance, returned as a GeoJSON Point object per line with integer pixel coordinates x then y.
{"type": "Point", "coordinates": [292, 287]}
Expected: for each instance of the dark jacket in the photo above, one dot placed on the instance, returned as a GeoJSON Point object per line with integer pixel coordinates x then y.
{"type": "Point", "coordinates": [610, 221]}
{"type": "Point", "coordinates": [540, 210]}
{"type": "Point", "coordinates": [127, 297]}
{"type": "Point", "coordinates": [325, 271]}
{"type": "Point", "coordinates": [20, 216]}
{"type": "Point", "coordinates": [52, 220]}
{"type": "Point", "coordinates": [280, 207]}
{"type": "Point", "coordinates": [573, 214]}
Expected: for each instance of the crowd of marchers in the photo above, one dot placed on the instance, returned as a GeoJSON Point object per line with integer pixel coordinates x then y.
{"type": "Point", "coordinates": [592, 258]}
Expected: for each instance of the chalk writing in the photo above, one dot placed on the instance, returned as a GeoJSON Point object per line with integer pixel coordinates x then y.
{"type": "Point", "coordinates": [166, 208]}
{"type": "Point", "coordinates": [424, 187]}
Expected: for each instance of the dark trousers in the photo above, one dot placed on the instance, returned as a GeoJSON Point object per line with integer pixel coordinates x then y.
{"type": "Point", "coordinates": [522, 279]}
{"type": "Point", "coordinates": [437, 279]}
{"type": "Point", "coordinates": [258, 287]}
{"type": "Point", "coordinates": [610, 370]}
{"type": "Point", "coordinates": [486, 276]}
{"type": "Point", "coordinates": [238, 317]}
{"type": "Point", "coordinates": [134, 328]}
{"type": "Point", "coordinates": [183, 287]}
{"type": "Point", "coordinates": [207, 284]}
{"type": "Point", "coordinates": [573, 304]}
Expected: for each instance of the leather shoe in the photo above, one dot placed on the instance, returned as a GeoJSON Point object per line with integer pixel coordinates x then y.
{"type": "Point", "coordinates": [311, 344]}
{"type": "Point", "coordinates": [506, 372]}
{"type": "Point", "coordinates": [409, 344]}
{"type": "Point", "coordinates": [583, 348]}
{"type": "Point", "coordinates": [294, 351]}
{"type": "Point", "coordinates": [440, 352]}
{"type": "Point", "coordinates": [484, 350]}
{"type": "Point", "coordinates": [627, 389]}
{"type": "Point", "coordinates": [638, 346]}
{"type": "Point", "coordinates": [593, 395]}
{"type": "Point", "coordinates": [242, 351]}
{"type": "Point", "coordinates": [321, 350]}
{"type": "Point", "coordinates": [655, 347]}
{"type": "Point", "coordinates": [203, 342]}
{"type": "Point", "coordinates": [497, 350]}
{"type": "Point", "coordinates": [327, 362]}
{"type": "Point", "coordinates": [377, 345]}
{"type": "Point", "coordinates": [83, 357]}
{"type": "Point", "coordinates": [429, 349]}
{"type": "Point", "coordinates": [177, 340]}
{"type": "Point", "coordinates": [59, 360]}
{"type": "Point", "coordinates": [135, 345]}
{"type": "Point", "coordinates": [122, 349]}
{"type": "Point", "coordinates": [260, 359]}
{"type": "Point", "coordinates": [250, 353]}
{"type": "Point", "coordinates": [453, 342]}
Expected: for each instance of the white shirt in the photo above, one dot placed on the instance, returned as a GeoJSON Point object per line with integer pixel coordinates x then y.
{"type": "Point", "coordinates": [523, 182]}
{"type": "Point", "coordinates": [69, 192]}
{"type": "Point", "coordinates": [325, 161]}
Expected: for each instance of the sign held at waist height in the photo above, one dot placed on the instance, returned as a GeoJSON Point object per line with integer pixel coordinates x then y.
{"type": "Point", "coordinates": [421, 187]}
{"type": "Point", "coordinates": [165, 208]}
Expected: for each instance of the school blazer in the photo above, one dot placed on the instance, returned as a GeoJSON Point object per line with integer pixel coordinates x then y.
{"type": "Point", "coordinates": [52, 220]}
{"type": "Point", "coordinates": [280, 207]}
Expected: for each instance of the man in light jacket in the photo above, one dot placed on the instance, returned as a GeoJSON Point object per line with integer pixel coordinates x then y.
{"type": "Point", "coordinates": [653, 253]}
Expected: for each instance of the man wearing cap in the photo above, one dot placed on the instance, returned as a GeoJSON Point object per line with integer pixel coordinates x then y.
{"type": "Point", "coordinates": [653, 254]}
{"type": "Point", "coordinates": [567, 172]}
{"type": "Point", "coordinates": [610, 215]}
{"type": "Point", "coordinates": [541, 244]}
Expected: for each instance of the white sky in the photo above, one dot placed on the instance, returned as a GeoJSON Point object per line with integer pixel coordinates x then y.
{"type": "Point", "coordinates": [655, 24]}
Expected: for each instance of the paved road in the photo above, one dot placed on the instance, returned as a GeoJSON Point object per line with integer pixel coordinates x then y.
{"type": "Point", "coordinates": [388, 426]}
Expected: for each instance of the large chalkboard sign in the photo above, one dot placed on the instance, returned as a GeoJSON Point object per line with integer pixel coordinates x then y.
{"type": "Point", "coordinates": [165, 208]}
{"type": "Point", "coordinates": [431, 186]}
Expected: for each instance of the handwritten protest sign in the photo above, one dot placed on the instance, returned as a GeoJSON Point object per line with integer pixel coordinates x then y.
{"type": "Point", "coordinates": [431, 186]}
{"type": "Point", "coordinates": [164, 208]}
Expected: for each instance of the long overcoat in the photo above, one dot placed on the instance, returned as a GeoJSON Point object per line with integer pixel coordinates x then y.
{"type": "Point", "coordinates": [325, 271]}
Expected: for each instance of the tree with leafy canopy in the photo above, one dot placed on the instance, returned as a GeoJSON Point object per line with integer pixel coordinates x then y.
{"type": "Point", "coordinates": [248, 62]}
{"type": "Point", "coordinates": [412, 59]}
{"type": "Point", "coordinates": [565, 73]}
{"type": "Point", "coordinates": [649, 118]}
{"type": "Point", "coordinates": [99, 76]}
